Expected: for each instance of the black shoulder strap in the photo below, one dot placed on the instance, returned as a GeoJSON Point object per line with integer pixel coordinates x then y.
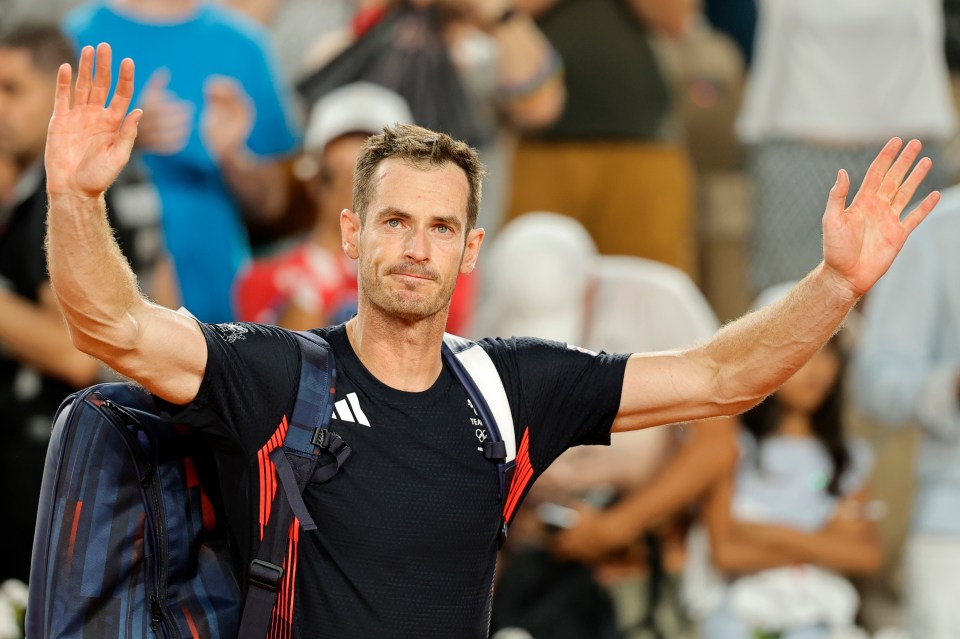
{"type": "Point", "coordinates": [296, 463]}
{"type": "Point", "coordinates": [478, 375]}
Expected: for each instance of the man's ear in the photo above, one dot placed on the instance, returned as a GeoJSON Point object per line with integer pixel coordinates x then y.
{"type": "Point", "coordinates": [350, 233]}
{"type": "Point", "coordinates": [472, 250]}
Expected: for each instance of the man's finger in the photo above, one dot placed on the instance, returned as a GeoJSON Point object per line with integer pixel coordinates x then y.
{"type": "Point", "coordinates": [128, 130]}
{"type": "Point", "coordinates": [61, 99]}
{"type": "Point", "coordinates": [837, 199]}
{"type": "Point", "coordinates": [84, 76]}
{"type": "Point", "coordinates": [893, 178]}
{"type": "Point", "coordinates": [124, 93]}
{"type": "Point", "coordinates": [880, 165]}
{"type": "Point", "coordinates": [904, 195]}
{"type": "Point", "coordinates": [102, 76]}
{"type": "Point", "coordinates": [920, 213]}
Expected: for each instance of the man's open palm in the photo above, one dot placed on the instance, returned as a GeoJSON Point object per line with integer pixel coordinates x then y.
{"type": "Point", "coordinates": [88, 143]}
{"type": "Point", "coordinates": [861, 241]}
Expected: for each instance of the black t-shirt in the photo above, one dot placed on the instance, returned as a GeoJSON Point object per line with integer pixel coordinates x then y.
{"type": "Point", "coordinates": [407, 530]}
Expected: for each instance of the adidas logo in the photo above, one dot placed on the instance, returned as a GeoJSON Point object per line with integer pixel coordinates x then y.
{"type": "Point", "coordinates": [348, 410]}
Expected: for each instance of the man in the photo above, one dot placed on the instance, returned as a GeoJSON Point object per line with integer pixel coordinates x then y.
{"type": "Point", "coordinates": [217, 117]}
{"type": "Point", "coordinates": [407, 538]}
{"type": "Point", "coordinates": [38, 364]}
{"type": "Point", "coordinates": [906, 369]}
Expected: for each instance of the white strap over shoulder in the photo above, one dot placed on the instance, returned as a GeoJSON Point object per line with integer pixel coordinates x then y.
{"type": "Point", "coordinates": [485, 377]}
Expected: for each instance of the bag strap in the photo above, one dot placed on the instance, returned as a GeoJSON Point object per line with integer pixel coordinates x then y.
{"type": "Point", "coordinates": [478, 375]}
{"type": "Point", "coordinates": [296, 462]}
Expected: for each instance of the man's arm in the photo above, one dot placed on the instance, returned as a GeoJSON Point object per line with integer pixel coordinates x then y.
{"type": "Point", "coordinates": [751, 357]}
{"type": "Point", "coordinates": [87, 146]}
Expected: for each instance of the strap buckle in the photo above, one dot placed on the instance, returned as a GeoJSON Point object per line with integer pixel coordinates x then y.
{"type": "Point", "coordinates": [265, 575]}
{"type": "Point", "coordinates": [495, 451]}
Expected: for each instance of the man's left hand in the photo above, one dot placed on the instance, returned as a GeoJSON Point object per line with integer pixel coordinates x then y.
{"type": "Point", "coordinates": [861, 241]}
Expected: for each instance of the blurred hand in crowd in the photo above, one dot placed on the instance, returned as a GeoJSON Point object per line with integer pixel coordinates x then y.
{"type": "Point", "coordinates": [596, 535]}
{"type": "Point", "coordinates": [166, 123]}
{"type": "Point", "coordinates": [227, 118]}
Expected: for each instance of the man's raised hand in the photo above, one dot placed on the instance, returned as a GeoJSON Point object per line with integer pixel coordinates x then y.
{"type": "Point", "coordinates": [89, 142]}
{"type": "Point", "coordinates": [861, 241]}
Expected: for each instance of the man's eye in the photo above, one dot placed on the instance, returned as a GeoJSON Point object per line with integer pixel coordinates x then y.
{"type": "Point", "coordinates": [443, 228]}
{"type": "Point", "coordinates": [394, 223]}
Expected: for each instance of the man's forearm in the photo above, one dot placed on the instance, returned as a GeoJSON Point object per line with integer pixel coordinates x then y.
{"type": "Point", "coordinates": [753, 356]}
{"type": "Point", "coordinates": [95, 286]}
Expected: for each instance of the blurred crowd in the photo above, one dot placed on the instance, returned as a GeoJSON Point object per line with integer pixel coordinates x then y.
{"type": "Point", "coordinates": [654, 168]}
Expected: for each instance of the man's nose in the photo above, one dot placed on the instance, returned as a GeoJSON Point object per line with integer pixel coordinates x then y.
{"type": "Point", "coordinates": [417, 246]}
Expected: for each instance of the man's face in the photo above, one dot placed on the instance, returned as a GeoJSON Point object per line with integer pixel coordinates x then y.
{"type": "Point", "coordinates": [413, 242]}
{"type": "Point", "coordinates": [26, 103]}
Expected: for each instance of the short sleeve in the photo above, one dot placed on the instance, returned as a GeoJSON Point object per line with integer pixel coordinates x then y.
{"type": "Point", "coordinates": [561, 395]}
{"type": "Point", "coordinates": [249, 384]}
{"type": "Point", "coordinates": [275, 131]}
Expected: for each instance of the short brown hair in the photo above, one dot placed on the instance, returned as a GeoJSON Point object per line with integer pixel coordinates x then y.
{"type": "Point", "coordinates": [421, 148]}
{"type": "Point", "coordinates": [46, 44]}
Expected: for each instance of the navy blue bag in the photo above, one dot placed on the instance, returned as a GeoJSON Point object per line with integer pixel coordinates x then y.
{"type": "Point", "coordinates": [129, 542]}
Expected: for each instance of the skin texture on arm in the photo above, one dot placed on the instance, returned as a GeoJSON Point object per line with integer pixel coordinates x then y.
{"type": "Point", "coordinates": [34, 333]}
{"type": "Point", "coordinates": [751, 357]}
{"type": "Point", "coordinates": [87, 146]}
{"type": "Point", "coordinates": [708, 456]}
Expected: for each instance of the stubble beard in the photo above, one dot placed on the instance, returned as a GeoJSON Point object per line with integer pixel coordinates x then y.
{"type": "Point", "coordinates": [401, 303]}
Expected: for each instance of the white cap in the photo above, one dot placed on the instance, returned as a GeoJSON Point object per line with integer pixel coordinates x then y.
{"type": "Point", "coordinates": [358, 107]}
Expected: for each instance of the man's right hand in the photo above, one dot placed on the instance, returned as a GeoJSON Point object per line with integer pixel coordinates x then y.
{"type": "Point", "coordinates": [88, 143]}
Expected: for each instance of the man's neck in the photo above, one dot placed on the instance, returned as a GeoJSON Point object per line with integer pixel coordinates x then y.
{"type": "Point", "coordinates": [402, 355]}
{"type": "Point", "coordinates": [159, 10]}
